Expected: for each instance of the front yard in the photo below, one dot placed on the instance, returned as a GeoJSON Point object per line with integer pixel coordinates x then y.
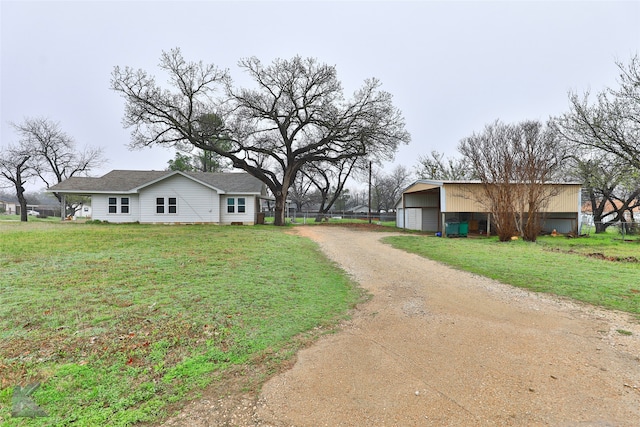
{"type": "Point", "coordinates": [120, 322]}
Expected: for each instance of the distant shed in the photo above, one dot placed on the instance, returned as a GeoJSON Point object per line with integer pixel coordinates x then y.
{"type": "Point", "coordinates": [427, 205]}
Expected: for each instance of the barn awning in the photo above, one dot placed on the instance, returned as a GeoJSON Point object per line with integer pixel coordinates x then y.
{"type": "Point", "coordinates": [421, 186]}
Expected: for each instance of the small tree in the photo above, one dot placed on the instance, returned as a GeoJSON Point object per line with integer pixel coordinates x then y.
{"type": "Point", "coordinates": [54, 153]}
{"type": "Point", "coordinates": [189, 158]}
{"type": "Point", "coordinates": [17, 167]}
{"type": "Point", "coordinates": [329, 180]}
{"type": "Point", "coordinates": [436, 166]}
{"type": "Point", "coordinates": [514, 164]}
{"type": "Point", "coordinates": [301, 192]}
{"type": "Point", "coordinates": [387, 188]}
{"type": "Point", "coordinates": [182, 162]}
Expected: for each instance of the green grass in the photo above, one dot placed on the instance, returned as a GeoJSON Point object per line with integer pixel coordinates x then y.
{"type": "Point", "coordinates": [555, 265]}
{"type": "Point", "coordinates": [33, 219]}
{"type": "Point", "coordinates": [120, 322]}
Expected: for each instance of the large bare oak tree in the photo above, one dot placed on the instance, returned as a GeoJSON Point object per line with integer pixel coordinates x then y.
{"type": "Point", "coordinates": [294, 114]}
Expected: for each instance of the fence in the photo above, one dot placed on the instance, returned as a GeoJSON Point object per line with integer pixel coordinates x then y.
{"type": "Point", "coordinates": [310, 216]}
{"type": "Point", "coordinates": [622, 227]}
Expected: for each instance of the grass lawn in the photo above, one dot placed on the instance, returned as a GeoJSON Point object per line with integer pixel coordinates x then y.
{"type": "Point", "coordinates": [119, 323]}
{"type": "Point", "coordinates": [599, 269]}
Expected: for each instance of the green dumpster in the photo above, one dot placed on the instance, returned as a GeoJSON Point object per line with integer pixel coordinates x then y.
{"type": "Point", "coordinates": [463, 229]}
{"type": "Point", "coordinates": [451, 228]}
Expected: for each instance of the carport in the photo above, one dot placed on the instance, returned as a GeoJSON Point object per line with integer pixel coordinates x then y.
{"type": "Point", "coordinates": [427, 205]}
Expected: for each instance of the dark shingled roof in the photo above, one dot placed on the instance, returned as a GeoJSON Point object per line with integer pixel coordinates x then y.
{"type": "Point", "coordinates": [230, 182]}
{"type": "Point", "coordinates": [125, 181]}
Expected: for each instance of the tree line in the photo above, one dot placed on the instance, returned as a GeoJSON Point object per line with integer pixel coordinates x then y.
{"type": "Point", "coordinates": [297, 131]}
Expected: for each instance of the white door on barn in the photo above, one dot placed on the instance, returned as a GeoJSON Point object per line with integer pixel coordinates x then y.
{"type": "Point", "coordinates": [430, 219]}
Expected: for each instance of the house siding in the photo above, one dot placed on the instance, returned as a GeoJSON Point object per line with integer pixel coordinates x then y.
{"type": "Point", "coordinates": [248, 217]}
{"type": "Point", "coordinates": [195, 203]}
{"type": "Point", "coordinates": [100, 208]}
{"type": "Point", "coordinates": [187, 197]}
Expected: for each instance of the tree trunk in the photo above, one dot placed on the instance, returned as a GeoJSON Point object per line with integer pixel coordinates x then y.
{"type": "Point", "coordinates": [280, 214]}
{"type": "Point", "coordinates": [601, 227]}
{"type": "Point", "coordinates": [23, 203]}
{"type": "Point", "coordinates": [281, 209]}
{"type": "Point", "coordinates": [323, 209]}
{"type": "Point", "coordinates": [20, 192]}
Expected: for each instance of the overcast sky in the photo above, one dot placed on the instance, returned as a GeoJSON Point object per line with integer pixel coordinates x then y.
{"type": "Point", "coordinates": [452, 66]}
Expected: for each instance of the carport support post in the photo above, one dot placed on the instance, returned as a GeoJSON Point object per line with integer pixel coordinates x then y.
{"type": "Point", "coordinates": [488, 223]}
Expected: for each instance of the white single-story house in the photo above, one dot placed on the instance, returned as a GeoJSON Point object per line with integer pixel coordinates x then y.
{"type": "Point", "coordinates": [170, 197]}
{"type": "Point", "coordinates": [9, 207]}
{"type": "Point", "coordinates": [427, 205]}
{"type": "Point", "coordinates": [83, 211]}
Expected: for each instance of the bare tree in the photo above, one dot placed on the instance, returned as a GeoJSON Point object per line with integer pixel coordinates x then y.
{"type": "Point", "coordinates": [436, 166]}
{"type": "Point", "coordinates": [514, 164]}
{"type": "Point", "coordinates": [301, 191]}
{"type": "Point", "coordinates": [296, 115]}
{"type": "Point", "coordinates": [610, 185]}
{"type": "Point", "coordinates": [55, 154]}
{"type": "Point", "coordinates": [612, 122]}
{"type": "Point", "coordinates": [387, 188]}
{"type": "Point", "coordinates": [329, 180]}
{"type": "Point", "coordinates": [17, 167]}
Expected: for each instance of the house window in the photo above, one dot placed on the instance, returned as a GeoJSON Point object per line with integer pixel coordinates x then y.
{"type": "Point", "coordinates": [166, 205]}
{"type": "Point", "coordinates": [113, 205]}
{"type": "Point", "coordinates": [124, 205]}
{"type": "Point", "coordinates": [239, 207]}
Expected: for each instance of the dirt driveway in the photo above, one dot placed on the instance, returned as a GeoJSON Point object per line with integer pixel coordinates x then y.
{"type": "Point", "coordinates": [436, 346]}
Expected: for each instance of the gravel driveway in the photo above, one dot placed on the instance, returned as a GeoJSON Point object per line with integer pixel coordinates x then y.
{"type": "Point", "coordinates": [437, 346]}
